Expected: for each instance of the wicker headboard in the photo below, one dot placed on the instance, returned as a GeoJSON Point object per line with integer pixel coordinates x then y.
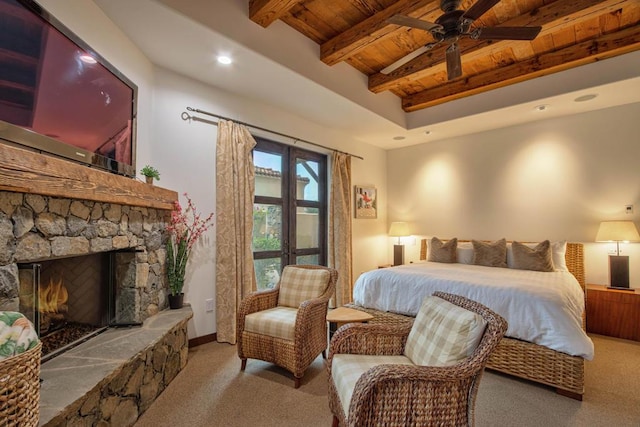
{"type": "Point", "coordinates": [574, 257]}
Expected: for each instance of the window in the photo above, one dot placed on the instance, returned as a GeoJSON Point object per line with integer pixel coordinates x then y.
{"type": "Point", "coordinates": [290, 209]}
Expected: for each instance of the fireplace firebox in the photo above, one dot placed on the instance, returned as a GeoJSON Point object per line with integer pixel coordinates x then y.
{"type": "Point", "coordinates": [70, 300]}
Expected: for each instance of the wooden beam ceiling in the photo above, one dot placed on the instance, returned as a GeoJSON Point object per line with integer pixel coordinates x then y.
{"type": "Point", "coordinates": [563, 59]}
{"type": "Point", "coordinates": [574, 32]}
{"type": "Point", "coordinates": [550, 17]}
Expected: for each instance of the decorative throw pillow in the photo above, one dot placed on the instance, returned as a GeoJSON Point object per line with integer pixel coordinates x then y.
{"type": "Point", "coordinates": [537, 258]}
{"type": "Point", "coordinates": [492, 254]}
{"type": "Point", "coordinates": [443, 333]}
{"type": "Point", "coordinates": [300, 284]}
{"type": "Point", "coordinates": [442, 252]}
{"type": "Point", "coordinates": [558, 254]}
{"type": "Point", "coordinates": [17, 334]}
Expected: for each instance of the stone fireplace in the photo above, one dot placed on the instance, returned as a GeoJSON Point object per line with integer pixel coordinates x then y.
{"type": "Point", "coordinates": [84, 233]}
{"type": "Point", "coordinates": [36, 229]}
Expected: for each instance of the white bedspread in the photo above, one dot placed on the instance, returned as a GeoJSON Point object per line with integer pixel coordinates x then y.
{"type": "Point", "coordinates": [543, 308]}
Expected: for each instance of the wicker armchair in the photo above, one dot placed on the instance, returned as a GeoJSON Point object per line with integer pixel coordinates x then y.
{"type": "Point", "coordinates": [407, 394]}
{"type": "Point", "coordinates": [289, 332]}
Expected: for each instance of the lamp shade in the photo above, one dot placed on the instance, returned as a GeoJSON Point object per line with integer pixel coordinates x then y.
{"type": "Point", "coordinates": [617, 231]}
{"type": "Point", "coordinates": [399, 229]}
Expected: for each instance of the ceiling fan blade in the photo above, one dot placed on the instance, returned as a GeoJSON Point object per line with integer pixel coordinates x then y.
{"type": "Point", "coordinates": [454, 62]}
{"type": "Point", "coordinates": [478, 9]}
{"type": "Point", "coordinates": [400, 62]}
{"type": "Point", "coordinates": [408, 21]}
{"type": "Point", "coordinates": [507, 33]}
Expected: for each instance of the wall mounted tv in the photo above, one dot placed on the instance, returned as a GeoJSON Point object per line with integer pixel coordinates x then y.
{"type": "Point", "coordinates": [60, 97]}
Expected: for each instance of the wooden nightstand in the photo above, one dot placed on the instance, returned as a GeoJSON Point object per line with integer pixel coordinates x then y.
{"type": "Point", "coordinates": [613, 312]}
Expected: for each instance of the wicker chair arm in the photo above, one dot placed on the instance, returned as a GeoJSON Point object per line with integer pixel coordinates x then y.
{"type": "Point", "coordinates": [422, 384]}
{"type": "Point", "coordinates": [373, 339]}
{"type": "Point", "coordinates": [310, 313]}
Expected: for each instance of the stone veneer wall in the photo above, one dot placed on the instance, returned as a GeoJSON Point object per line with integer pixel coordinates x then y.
{"type": "Point", "coordinates": [35, 228]}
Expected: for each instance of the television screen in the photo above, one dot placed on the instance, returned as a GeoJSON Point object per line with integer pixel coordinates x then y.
{"type": "Point", "coordinates": [58, 96]}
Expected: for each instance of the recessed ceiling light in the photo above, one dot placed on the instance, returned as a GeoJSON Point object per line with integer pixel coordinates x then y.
{"type": "Point", "coordinates": [224, 60]}
{"type": "Point", "coordinates": [398, 138]}
{"type": "Point", "coordinates": [87, 59]}
{"type": "Point", "coordinates": [584, 98]}
{"type": "Point", "coordinates": [541, 107]}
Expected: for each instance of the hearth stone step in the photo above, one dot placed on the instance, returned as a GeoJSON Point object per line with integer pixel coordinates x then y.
{"type": "Point", "coordinates": [114, 377]}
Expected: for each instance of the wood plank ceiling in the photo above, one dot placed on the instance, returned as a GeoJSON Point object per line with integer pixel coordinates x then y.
{"type": "Point", "coordinates": [574, 32]}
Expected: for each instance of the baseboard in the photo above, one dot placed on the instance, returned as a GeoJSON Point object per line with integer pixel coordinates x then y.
{"type": "Point", "coordinates": [194, 342]}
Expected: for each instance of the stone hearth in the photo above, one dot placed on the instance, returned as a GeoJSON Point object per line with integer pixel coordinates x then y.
{"type": "Point", "coordinates": [113, 378]}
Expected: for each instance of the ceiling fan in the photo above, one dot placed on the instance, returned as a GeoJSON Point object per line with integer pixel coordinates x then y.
{"type": "Point", "coordinates": [451, 26]}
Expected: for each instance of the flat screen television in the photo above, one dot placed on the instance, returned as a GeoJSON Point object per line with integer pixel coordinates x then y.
{"type": "Point", "coordinates": [58, 96]}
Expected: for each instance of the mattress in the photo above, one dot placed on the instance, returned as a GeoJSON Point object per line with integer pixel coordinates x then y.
{"type": "Point", "coordinates": [544, 308]}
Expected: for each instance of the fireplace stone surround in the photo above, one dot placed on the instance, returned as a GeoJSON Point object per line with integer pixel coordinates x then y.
{"type": "Point", "coordinates": [51, 208]}
{"type": "Point", "coordinates": [36, 228]}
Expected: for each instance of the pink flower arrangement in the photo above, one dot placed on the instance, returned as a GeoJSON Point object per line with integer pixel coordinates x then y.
{"type": "Point", "coordinates": [186, 227]}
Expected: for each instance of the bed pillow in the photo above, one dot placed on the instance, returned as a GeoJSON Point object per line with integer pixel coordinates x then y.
{"type": "Point", "coordinates": [558, 254]}
{"type": "Point", "coordinates": [537, 258]}
{"type": "Point", "coordinates": [492, 254]}
{"type": "Point", "coordinates": [465, 253]}
{"type": "Point", "coordinates": [442, 252]}
{"type": "Point", "coordinates": [443, 333]}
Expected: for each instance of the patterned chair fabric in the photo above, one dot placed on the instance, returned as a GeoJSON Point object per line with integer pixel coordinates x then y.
{"type": "Point", "coordinates": [287, 325]}
{"type": "Point", "coordinates": [392, 375]}
{"type": "Point", "coordinates": [300, 284]}
{"type": "Point", "coordinates": [443, 334]}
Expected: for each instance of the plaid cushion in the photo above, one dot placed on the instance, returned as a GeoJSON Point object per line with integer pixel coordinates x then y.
{"type": "Point", "coordinates": [278, 322]}
{"type": "Point", "coordinates": [347, 368]}
{"type": "Point", "coordinates": [443, 334]}
{"type": "Point", "coordinates": [300, 284]}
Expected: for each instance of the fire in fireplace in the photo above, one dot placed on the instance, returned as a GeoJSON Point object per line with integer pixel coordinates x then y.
{"type": "Point", "coordinates": [68, 300]}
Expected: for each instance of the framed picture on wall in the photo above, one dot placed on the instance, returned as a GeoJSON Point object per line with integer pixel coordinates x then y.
{"type": "Point", "coordinates": [366, 202]}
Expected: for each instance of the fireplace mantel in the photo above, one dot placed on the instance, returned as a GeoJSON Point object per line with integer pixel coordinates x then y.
{"type": "Point", "coordinates": [24, 171]}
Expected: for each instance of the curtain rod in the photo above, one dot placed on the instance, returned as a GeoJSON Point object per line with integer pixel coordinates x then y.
{"type": "Point", "coordinates": [187, 116]}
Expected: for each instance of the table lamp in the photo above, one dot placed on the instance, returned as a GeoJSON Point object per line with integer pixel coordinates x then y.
{"type": "Point", "coordinates": [398, 229]}
{"type": "Point", "coordinates": [618, 231]}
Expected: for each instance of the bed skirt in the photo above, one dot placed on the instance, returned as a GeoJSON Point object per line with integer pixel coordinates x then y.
{"type": "Point", "coordinates": [519, 358]}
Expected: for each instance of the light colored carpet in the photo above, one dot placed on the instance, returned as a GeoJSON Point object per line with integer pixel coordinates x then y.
{"type": "Point", "coordinates": [211, 391]}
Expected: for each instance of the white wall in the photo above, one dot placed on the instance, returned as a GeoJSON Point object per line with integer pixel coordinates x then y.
{"type": "Point", "coordinates": [184, 152]}
{"type": "Point", "coordinates": [554, 179]}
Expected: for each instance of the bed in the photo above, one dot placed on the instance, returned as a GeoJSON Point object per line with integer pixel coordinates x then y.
{"type": "Point", "coordinates": [557, 361]}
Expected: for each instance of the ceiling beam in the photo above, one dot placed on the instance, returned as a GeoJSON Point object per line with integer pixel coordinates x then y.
{"type": "Point", "coordinates": [372, 29]}
{"type": "Point", "coordinates": [594, 50]}
{"type": "Point", "coordinates": [550, 17]}
{"type": "Point", "coordinates": [265, 12]}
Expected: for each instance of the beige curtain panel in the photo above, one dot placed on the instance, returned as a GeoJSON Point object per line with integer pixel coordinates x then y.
{"type": "Point", "coordinates": [340, 227]}
{"type": "Point", "coordinates": [235, 188]}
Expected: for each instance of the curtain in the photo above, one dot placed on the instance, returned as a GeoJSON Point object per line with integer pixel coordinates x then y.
{"type": "Point", "coordinates": [340, 227]}
{"type": "Point", "coordinates": [235, 188]}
